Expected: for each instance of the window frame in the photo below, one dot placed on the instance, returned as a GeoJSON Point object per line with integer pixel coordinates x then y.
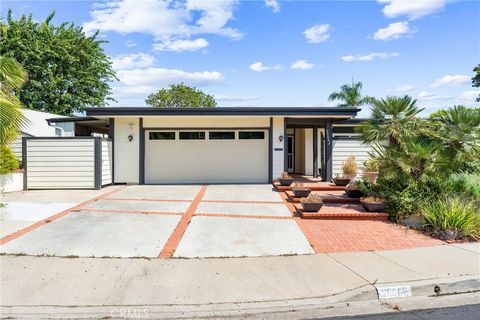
{"type": "Point", "coordinates": [251, 131]}
{"type": "Point", "coordinates": [200, 132]}
{"type": "Point", "coordinates": [150, 137]}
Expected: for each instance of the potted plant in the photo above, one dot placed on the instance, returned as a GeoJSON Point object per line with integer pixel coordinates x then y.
{"type": "Point", "coordinates": [285, 179]}
{"type": "Point", "coordinates": [353, 189]}
{"type": "Point", "coordinates": [370, 173]}
{"type": "Point", "coordinates": [349, 171]}
{"type": "Point", "coordinates": [312, 203]}
{"type": "Point", "coordinates": [300, 190]}
{"type": "Point", "coordinates": [373, 203]}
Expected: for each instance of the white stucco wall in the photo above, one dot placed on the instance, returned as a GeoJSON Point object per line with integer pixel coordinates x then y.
{"type": "Point", "coordinates": [126, 153]}
{"type": "Point", "coordinates": [277, 156]}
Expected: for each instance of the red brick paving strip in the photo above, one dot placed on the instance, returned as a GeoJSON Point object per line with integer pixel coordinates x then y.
{"type": "Point", "coordinates": [224, 215]}
{"type": "Point", "coordinates": [140, 199]}
{"type": "Point", "coordinates": [57, 216]}
{"type": "Point", "coordinates": [176, 236]}
{"type": "Point", "coordinates": [131, 211]}
{"type": "Point", "coordinates": [328, 236]}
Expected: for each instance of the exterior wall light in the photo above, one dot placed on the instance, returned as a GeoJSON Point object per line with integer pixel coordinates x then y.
{"type": "Point", "coordinates": [280, 138]}
{"type": "Point", "coordinates": [130, 137]}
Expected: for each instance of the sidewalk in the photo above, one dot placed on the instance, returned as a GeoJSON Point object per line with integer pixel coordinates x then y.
{"type": "Point", "coordinates": [226, 286]}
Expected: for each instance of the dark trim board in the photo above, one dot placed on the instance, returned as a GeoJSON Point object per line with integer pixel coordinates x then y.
{"type": "Point", "coordinates": [24, 162]}
{"type": "Point", "coordinates": [141, 176]}
{"type": "Point", "coordinates": [208, 128]}
{"type": "Point", "coordinates": [111, 134]}
{"type": "Point", "coordinates": [224, 111]}
{"type": "Point", "coordinates": [97, 157]}
{"type": "Point", "coordinates": [270, 151]}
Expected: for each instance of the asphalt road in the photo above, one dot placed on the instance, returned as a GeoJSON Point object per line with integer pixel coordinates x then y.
{"type": "Point", "coordinates": [467, 312]}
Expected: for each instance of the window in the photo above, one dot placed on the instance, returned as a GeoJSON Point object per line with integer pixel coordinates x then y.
{"type": "Point", "coordinates": [221, 135]}
{"type": "Point", "coordinates": [161, 135]}
{"type": "Point", "coordinates": [248, 135]}
{"type": "Point", "coordinates": [192, 135]}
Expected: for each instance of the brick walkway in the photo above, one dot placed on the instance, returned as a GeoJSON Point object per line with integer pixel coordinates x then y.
{"type": "Point", "coordinates": [356, 235]}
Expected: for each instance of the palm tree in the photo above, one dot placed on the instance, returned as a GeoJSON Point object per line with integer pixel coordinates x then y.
{"type": "Point", "coordinates": [12, 78]}
{"type": "Point", "coordinates": [351, 96]}
{"type": "Point", "coordinates": [393, 119]}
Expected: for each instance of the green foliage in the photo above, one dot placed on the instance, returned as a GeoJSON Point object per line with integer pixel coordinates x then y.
{"type": "Point", "coordinates": [67, 70]}
{"type": "Point", "coordinates": [476, 80]}
{"type": "Point", "coordinates": [452, 218]}
{"type": "Point", "coordinates": [417, 156]}
{"type": "Point", "coordinates": [12, 78]}
{"type": "Point", "coordinates": [180, 96]}
{"type": "Point", "coordinates": [371, 165]}
{"type": "Point", "coordinates": [8, 161]}
{"type": "Point", "coordinates": [351, 96]}
{"type": "Point", "coordinates": [464, 184]}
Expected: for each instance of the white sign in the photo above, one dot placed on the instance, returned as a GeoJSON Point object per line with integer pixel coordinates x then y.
{"type": "Point", "coordinates": [394, 292]}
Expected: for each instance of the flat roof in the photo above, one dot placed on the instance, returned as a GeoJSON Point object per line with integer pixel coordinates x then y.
{"type": "Point", "coordinates": [223, 111]}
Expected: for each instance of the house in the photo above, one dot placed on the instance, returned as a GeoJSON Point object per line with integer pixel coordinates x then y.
{"type": "Point", "coordinates": [37, 126]}
{"type": "Point", "coordinates": [198, 145]}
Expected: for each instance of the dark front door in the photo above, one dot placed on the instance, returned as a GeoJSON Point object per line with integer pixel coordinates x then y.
{"type": "Point", "coordinates": [291, 153]}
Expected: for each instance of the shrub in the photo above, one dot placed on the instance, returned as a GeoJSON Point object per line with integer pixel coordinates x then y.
{"type": "Point", "coordinates": [464, 184]}
{"type": "Point", "coordinates": [312, 198]}
{"type": "Point", "coordinates": [452, 218]}
{"type": "Point", "coordinates": [299, 186]}
{"type": "Point", "coordinates": [285, 175]}
{"type": "Point", "coordinates": [371, 165]}
{"type": "Point", "coordinates": [8, 161]}
{"type": "Point", "coordinates": [349, 166]}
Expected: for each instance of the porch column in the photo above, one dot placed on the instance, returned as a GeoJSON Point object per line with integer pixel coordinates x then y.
{"type": "Point", "coordinates": [285, 146]}
{"type": "Point", "coordinates": [328, 150]}
{"type": "Point", "coordinates": [315, 152]}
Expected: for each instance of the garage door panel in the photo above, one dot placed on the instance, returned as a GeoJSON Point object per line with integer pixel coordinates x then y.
{"type": "Point", "coordinates": [206, 161]}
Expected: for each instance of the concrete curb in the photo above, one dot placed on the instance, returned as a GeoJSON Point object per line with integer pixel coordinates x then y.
{"type": "Point", "coordinates": [362, 296]}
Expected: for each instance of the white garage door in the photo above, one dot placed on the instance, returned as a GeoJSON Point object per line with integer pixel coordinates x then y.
{"type": "Point", "coordinates": [206, 156]}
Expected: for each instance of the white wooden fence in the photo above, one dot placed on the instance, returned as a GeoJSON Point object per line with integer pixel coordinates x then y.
{"type": "Point", "coordinates": [66, 162]}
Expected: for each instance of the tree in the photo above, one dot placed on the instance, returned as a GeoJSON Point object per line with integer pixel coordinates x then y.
{"type": "Point", "coordinates": [12, 78]}
{"type": "Point", "coordinates": [180, 96]}
{"type": "Point", "coordinates": [392, 118]}
{"type": "Point", "coordinates": [351, 96]}
{"type": "Point", "coordinates": [67, 70]}
{"type": "Point", "coordinates": [476, 79]}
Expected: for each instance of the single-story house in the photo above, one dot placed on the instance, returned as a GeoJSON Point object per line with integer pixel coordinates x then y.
{"type": "Point", "coordinates": [143, 145]}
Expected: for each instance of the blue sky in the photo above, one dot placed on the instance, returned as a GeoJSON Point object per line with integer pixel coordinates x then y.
{"type": "Point", "coordinates": [283, 53]}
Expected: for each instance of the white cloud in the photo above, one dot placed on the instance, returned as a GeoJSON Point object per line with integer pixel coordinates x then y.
{"type": "Point", "coordinates": [167, 21]}
{"type": "Point", "coordinates": [318, 33]}
{"type": "Point", "coordinates": [259, 67]}
{"type": "Point", "coordinates": [132, 61]}
{"type": "Point", "coordinates": [393, 31]}
{"type": "Point", "coordinates": [450, 79]}
{"type": "Point", "coordinates": [273, 4]}
{"type": "Point", "coordinates": [229, 98]}
{"type": "Point", "coordinates": [405, 88]}
{"type": "Point", "coordinates": [428, 96]}
{"type": "Point", "coordinates": [413, 9]}
{"type": "Point", "coordinates": [370, 56]}
{"type": "Point", "coordinates": [469, 96]}
{"type": "Point", "coordinates": [302, 65]}
{"type": "Point", "coordinates": [181, 45]}
{"type": "Point", "coordinates": [159, 77]}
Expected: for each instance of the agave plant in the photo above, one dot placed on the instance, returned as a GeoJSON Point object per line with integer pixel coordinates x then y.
{"type": "Point", "coordinates": [351, 96]}
{"type": "Point", "coordinates": [12, 78]}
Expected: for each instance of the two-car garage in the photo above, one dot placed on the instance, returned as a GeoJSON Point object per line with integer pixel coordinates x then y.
{"type": "Point", "coordinates": [206, 156]}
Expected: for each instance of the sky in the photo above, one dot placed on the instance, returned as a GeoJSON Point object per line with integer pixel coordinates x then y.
{"type": "Point", "coordinates": [270, 53]}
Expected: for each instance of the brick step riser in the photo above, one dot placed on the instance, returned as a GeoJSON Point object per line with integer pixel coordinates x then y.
{"type": "Point", "coordinates": [345, 218]}
{"type": "Point", "coordinates": [313, 188]}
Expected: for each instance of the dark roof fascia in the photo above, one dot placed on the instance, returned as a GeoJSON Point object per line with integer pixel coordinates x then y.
{"type": "Point", "coordinates": [71, 119]}
{"type": "Point", "coordinates": [352, 122]}
{"type": "Point", "coordinates": [223, 111]}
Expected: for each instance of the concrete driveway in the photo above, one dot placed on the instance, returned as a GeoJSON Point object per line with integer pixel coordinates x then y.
{"type": "Point", "coordinates": [168, 221]}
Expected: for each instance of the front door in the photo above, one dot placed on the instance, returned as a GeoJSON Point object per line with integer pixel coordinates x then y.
{"type": "Point", "coordinates": [291, 153]}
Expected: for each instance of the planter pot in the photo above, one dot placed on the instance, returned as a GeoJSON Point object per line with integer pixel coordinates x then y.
{"type": "Point", "coordinates": [301, 193]}
{"type": "Point", "coordinates": [285, 182]}
{"type": "Point", "coordinates": [373, 207]}
{"type": "Point", "coordinates": [353, 193]}
{"type": "Point", "coordinates": [11, 182]}
{"type": "Point", "coordinates": [311, 207]}
{"type": "Point", "coordinates": [370, 176]}
{"type": "Point", "coordinates": [349, 176]}
{"type": "Point", "coordinates": [341, 181]}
